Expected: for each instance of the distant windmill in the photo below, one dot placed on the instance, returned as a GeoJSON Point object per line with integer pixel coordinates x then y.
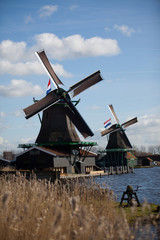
{"type": "Point", "coordinates": [59, 113]}
{"type": "Point", "coordinates": [117, 137]}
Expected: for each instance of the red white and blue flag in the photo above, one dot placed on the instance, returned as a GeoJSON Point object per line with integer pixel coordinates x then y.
{"type": "Point", "coordinates": [107, 123]}
{"type": "Point", "coordinates": [48, 87]}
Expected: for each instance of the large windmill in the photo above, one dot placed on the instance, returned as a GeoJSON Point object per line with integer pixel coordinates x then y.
{"type": "Point", "coordinates": [117, 137]}
{"type": "Point", "coordinates": [60, 116]}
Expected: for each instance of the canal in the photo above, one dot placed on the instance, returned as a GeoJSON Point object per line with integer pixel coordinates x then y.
{"type": "Point", "coordinates": [147, 178]}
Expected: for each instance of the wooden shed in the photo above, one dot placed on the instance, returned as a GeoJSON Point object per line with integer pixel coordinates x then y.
{"type": "Point", "coordinates": [4, 162]}
{"type": "Point", "coordinates": [41, 158]}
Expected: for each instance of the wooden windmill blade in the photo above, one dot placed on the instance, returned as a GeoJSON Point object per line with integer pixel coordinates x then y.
{"type": "Point", "coordinates": [113, 128]}
{"type": "Point", "coordinates": [130, 122]}
{"type": "Point", "coordinates": [40, 105]}
{"type": "Point", "coordinates": [46, 64]}
{"type": "Point", "coordinates": [113, 113]}
{"type": "Point", "coordinates": [85, 83]}
{"type": "Point", "coordinates": [78, 121]}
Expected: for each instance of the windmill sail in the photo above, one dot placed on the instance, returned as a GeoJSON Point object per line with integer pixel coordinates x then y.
{"type": "Point", "coordinates": [110, 130]}
{"type": "Point", "coordinates": [40, 105]}
{"type": "Point", "coordinates": [113, 112]}
{"type": "Point", "coordinates": [78, 121]}
{"type": "Point", "coordinates": [85, 83]}
{"type": "Point", "coordinates": [130, 122]}
{"type": "Point", "coordinates": [45, 62]}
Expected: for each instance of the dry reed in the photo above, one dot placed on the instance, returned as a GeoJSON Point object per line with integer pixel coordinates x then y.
{"type": "Point", "coordinates": [34, 209]}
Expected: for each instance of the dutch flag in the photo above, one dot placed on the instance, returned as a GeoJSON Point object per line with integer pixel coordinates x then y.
{"type": "Point", "coordinates": [48, 87]}
{"type": "Point", "coordinates": [107, 123]}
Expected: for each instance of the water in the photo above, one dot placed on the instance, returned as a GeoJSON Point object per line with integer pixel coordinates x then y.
{"type": "Point", "coordinates": [147, 178]}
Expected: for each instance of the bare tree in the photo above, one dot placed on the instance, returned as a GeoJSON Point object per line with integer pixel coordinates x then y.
{"type": "Point", "coordinates": [152, 149]}
{"type": "Point", "coordinates": [141, 151]}
{"type": "Point", "coordinates": [157, 147]}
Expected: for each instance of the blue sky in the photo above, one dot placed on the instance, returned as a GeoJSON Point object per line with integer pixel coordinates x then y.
{"type": "Point", "coordinates": [119, 38]}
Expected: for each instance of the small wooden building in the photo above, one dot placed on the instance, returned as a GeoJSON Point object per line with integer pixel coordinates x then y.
{"type": "Point", "coordinates": [131, 159]}
{"type": "Point", "coordinates": [4, 162]}
{"type": "Point", "coordinates": [145, 161]}
{"type": "Point", "coordinates": [41, 158]}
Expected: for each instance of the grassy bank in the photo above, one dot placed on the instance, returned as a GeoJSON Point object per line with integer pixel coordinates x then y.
{"type": "Point", "coordinates": [145, 213]}
{"type": "Point", "coordinates": [144, 166]}
{"type": "Point", "coordinates": [71, 210]}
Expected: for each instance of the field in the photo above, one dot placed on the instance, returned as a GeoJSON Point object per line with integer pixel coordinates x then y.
{"type": "Point", "coordinates": [34, 209]}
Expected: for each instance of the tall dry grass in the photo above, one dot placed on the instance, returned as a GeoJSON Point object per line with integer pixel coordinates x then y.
{"type": "Point", "coordinates": [34, 209]}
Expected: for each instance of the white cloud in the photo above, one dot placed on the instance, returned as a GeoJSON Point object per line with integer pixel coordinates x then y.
{"type": "Point", "coordinates": [47, 10]}
{"type": "Point", "coordinates": [127, 31]}
{"type": "Point", "coordinates": [109, 81]}
{"type": "Point", "coordinates": [101, 141]}
{"type": "Point", "coordinates": [20, 68]}
{"type": "Point", "coordinates": [3, 141]}
{"type": "Point", "coordinates": [28, 19]}
{"type": "Point", "coordinates": [28, 68]}
{"type": "Point", "coordinates": [107, 29]}
{"type": "Point", "coordinates": [12, 51]}
{"type": "Point", "coordinates": [146, 132]}
{"type": "Point", "coordinates": [3, 125]}
{"type": "Point", "coordinates": [76, 46]}
{"type": "Point", "coordinates": [18, 113]}
{"type": "Point", "coordinates": [2, 114]}
{"type": "Point", "coordinates": [5, 145]}
{"type": "Point", "coordinates": [20, 88]}
{"type": "Point", "coordinates": [60, 70]}
{"type": "Point", "coordinates": [70, 47]}
{"type": "Point", "coordinates": [18, 59]}
{"type": "Point", "coordinates": [26, 140]}
{"type": "Point", "coordinates": [95, 107]}
{"type": "Point", "coordinates": [73, 7]}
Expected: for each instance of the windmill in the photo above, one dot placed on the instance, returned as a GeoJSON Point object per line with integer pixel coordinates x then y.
{"type": "Point", "coordinates": [117, 152]}
{"type": "Point", "coordinates": [117, 137]}
{"type": "Point", "coordinates": [60, 116]}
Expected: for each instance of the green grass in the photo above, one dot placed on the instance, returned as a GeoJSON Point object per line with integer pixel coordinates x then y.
{"type": "Point", "coordinates": [135, 213]}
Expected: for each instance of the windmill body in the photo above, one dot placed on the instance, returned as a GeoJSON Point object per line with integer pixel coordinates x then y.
{"type": "Point", "coordinates": [118, 140]}
{"type": "Point", "coordinates": [56, 126]}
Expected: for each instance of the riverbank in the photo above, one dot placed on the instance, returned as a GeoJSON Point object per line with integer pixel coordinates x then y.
{"type": "Point", "coordinates": [53, 175]}
{"type": "Point", "coordinates": [146, 179]}
{"type": "Point", "coordinates": [145, 166]}
{"type": "Point", "coordinates": [41, 210]}
{"type": "Point", "coordinates": [146, 213]}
